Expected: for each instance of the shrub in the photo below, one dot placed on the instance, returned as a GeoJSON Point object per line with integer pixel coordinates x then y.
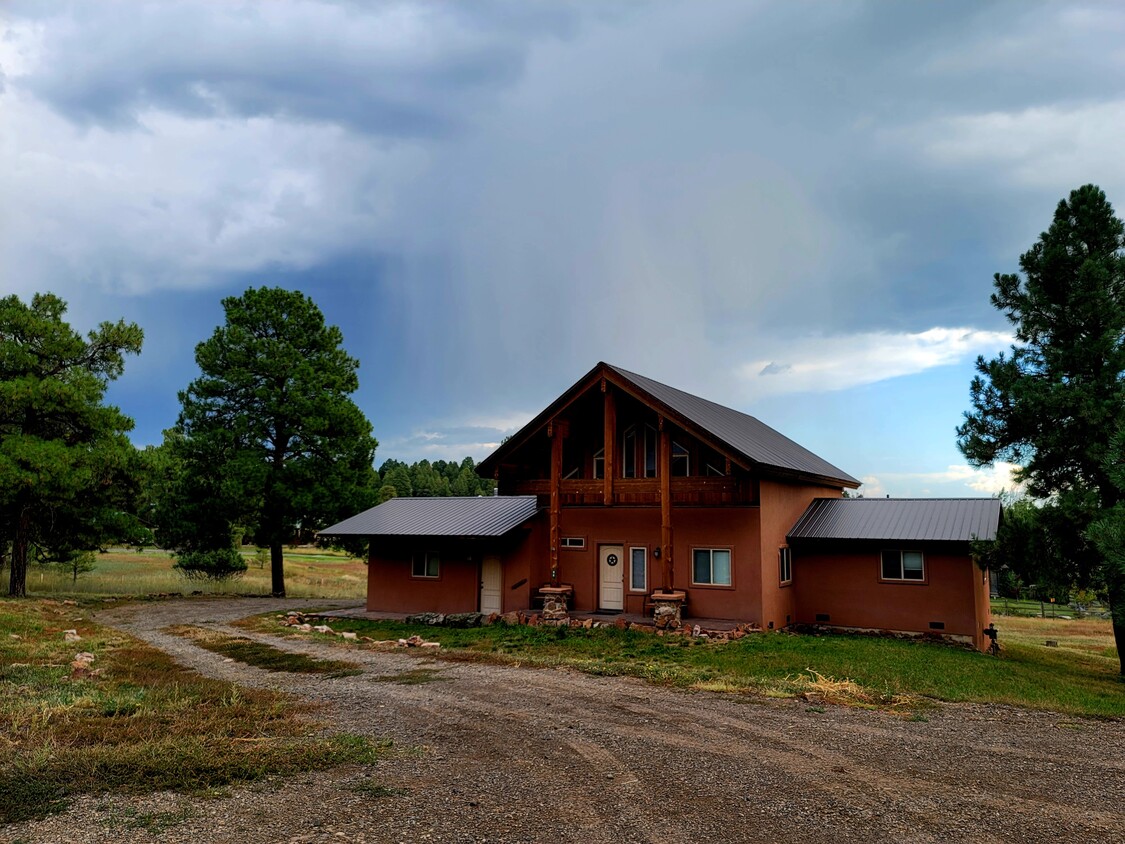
{"type": "Point", "coordinates": [218, 564]}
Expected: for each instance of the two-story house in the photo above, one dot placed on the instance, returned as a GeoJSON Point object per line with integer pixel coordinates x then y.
{"type": "Point", "coordinates": [626, 494]}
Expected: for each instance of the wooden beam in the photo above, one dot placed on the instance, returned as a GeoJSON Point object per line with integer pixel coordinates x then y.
{"type": "Point", "coordinates": [665, 472]}
{"type": "Point", "coordinates": [609, 464]}
{"type": "Point", "coordinates": [556, 433]}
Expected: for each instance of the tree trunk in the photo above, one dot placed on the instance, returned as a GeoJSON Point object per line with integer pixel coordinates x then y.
{"type": "Point", "coordinates": [1119, 639]}
{"type": "Point", "coordinates": [277, 569]}
{"type": "Point", "coordinates": [17, 583]}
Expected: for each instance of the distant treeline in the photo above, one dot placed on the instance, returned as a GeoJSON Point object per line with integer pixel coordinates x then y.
{"type": "Point", "coordinates": [431, 480]}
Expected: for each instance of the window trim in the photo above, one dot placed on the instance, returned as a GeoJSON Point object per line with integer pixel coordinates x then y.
{"type": "Point", "coordinates": [711, 551]}
{"type": "Point", "coordinates": [572, 543]}
{"type": "Point", "coordinates": [632, 585]}
{"type": "Point", "coordinates": [902, 579]}
{"type": "Point", "coordinates": [426, 557]}
{"type": "Point", "coordinates": [785, 565]}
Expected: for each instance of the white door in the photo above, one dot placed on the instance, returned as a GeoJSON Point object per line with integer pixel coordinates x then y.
{"type": "Point", "coordinates": [490, 585]}
{"type": "Point", "coordinates": [611, 567]}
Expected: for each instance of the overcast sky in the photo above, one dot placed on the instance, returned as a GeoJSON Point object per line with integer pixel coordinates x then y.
{"type": "Point", "coordinates": [794, 209]}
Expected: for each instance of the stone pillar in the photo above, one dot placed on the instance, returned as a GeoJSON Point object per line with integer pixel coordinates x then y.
{"type": "Point", "coordinates": [667, 609]}
{"type": "Point", "coordinates": [555, 600]}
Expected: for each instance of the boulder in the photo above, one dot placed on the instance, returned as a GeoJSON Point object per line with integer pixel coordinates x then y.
{"type": "Point", "coordinates": [463, 619]}
{"type": "Point", "coordinates": [430, 618]}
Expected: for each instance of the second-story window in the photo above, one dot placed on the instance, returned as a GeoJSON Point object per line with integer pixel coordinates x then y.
{"type": "Point", "coordinates": [599, 463]}
{"type": "Point", "coordinates": [681, 461]}
{"type": "Point", "coordinates": [650, 451]}
{"type": "Point", "coordinates": [629, 454]}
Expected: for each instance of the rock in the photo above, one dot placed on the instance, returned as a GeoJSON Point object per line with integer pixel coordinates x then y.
{"type": "Point", "coordinates": [430, 618]}
{"type": "Point", "coordinates": [430, 645]}
{"type": "Point", "coordinates": [511, 618]}
{"type": "Point", "coordinates": [70, 603]}
{"type": "Point", "coordinates": [347, 634]}
{"type": "Point", "coordinates": [463, 619]}
{"type": "Point", "coordinates": [621, 623]}
{"type": "Point", "coordinates": [696, 631]}
{"type": "Point", "coordinates": [491, 618]}
{"type": "Point", "coordinates": [533, 620]}
{"type": "Point", "coordinates": [307, 628]}
{"type": "Point", "coordinates": [323, 628]}
{"type": "Point", "coordinates": [14, 636]}
{"type": "Point", "coordinates": [588, 623]}
{"type": "Point", "coordinates": [71, 636]}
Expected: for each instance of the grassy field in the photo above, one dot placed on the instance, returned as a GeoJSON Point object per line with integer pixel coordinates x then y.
{"type": "Point", "coordinates": [1078, 677]}
{"type": "Point", "coordinates": [309, 573]}
{"type": "Point", "coordinates": [131, 720]}
{"type": "Point", "coordinates": [1043, 609]}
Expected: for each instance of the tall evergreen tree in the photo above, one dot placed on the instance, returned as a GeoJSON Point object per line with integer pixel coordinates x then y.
{"type": "Point", "coordinates": [271, 422]}
{"type": "Point", "coordinates": [64, 457]}
{"type": "Point", "coordinates": [1053, 404]}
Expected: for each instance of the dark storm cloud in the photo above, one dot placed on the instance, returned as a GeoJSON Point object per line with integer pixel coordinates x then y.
{"type": "Point", "coordinates": [400, 70]}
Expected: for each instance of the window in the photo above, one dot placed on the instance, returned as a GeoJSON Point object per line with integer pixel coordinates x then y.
{"type": "Point", "coordinates": [573, 542]}
{"type": "Point", "coordinates": [681, 466]}
{"type": "Point", "coordinates": [785, 564]}
{"type": "Point", "coordinates": [713, 471]}
{"type": "Point", "coordinates": [629, 454]}
{"type": "Point", "coordinates": [599, 464]}
{"type": "Point", "coordinates": [425, 565]}
{"type": "Point", "coordinates": [710, 566]}
{"type": "Point", "coordinates": [638, 569]}
{"type": "Point", "coordinates": [650, 451]}
{"type": "Point", "coordinates": [903, 565]}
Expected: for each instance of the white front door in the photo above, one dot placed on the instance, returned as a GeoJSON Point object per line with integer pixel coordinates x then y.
{"type": "Point", "coordinates": [611, 567]}
{"type": "Point", "coordinates": [490, 585]}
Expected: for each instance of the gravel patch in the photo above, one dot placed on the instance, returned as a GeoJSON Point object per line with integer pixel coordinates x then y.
{"type": "Point", "coordinates": [500, 754]}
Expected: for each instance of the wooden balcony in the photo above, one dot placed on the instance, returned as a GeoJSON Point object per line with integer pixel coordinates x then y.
{"type": "Point", "coordinates": [686, 492]}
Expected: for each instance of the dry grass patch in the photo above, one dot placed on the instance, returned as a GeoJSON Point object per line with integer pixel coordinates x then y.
{"type": "Point", "coordinates": [134, 720]}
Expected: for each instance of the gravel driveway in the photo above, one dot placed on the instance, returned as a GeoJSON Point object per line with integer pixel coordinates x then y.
{"type": "Point", "coordinates": [488, 753]}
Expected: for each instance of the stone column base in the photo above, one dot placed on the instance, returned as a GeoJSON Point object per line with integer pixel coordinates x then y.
{"type": "Point", "coordinates": [667, 609]}
{"type": "Point", "coordinates": [555, 600]}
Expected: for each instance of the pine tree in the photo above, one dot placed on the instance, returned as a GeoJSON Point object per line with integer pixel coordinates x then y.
{"type": "Point", "coordinates": [1053, 404]}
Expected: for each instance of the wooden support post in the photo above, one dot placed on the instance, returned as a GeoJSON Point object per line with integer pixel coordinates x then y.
{"type": "Point", "coordinates": [557, 431]}
{"type": "Point", "coordinates": [608, 464]}
{"type": "Point", "coordinates": [665, 471]}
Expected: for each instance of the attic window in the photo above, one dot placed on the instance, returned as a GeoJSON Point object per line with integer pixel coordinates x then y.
{"type": "Point", "coordinates": [599, 464]}
{"type": "Point", "coordinates": [629, 454]}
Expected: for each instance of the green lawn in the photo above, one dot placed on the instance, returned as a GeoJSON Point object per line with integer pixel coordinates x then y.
{"type": "Point", "coordinates": [1074, 680]}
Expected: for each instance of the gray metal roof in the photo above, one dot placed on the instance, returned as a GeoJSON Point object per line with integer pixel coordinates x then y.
{"type": "Point", "coordinates": [899, 519]}
{"type": "Point", "coordinates": [492, 515]}
{"type": "Point", "coordinates": [747, 435]}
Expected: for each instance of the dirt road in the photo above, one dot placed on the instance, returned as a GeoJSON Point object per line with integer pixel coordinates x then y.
{"type": "Point", "coordinates": [506, 754]}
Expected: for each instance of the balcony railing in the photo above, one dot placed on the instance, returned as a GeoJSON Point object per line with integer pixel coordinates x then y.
{"type": "Point", "coordinates": [697, 492]}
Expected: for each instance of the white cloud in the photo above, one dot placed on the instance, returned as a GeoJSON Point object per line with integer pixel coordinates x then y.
{"type": "Point", "coordinates": [955, 480]}
{"type": "Point", "coordinates": [822, 364]}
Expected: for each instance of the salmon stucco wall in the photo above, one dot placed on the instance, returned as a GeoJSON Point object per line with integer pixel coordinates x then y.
{"type": "Point", "coordinates": [782, 505]}
{"type": "Point", "coordinates": [734, 528]}
{"type": "Point", "coordinates": [845, 590]}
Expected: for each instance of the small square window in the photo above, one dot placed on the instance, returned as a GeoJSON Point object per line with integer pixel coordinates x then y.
{"type": "Point", "coordinates": [426, 565]}
{"type": "Point", "coordinates": [711, 566]}
{"type": "Point", "coordinates": [785, 564]}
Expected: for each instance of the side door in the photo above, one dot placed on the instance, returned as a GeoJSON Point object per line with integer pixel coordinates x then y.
{"type": "Point", "coordinates": [491, 581]}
